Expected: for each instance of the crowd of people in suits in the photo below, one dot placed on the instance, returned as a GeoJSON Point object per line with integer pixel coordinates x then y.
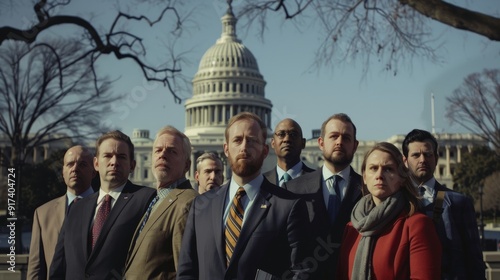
{"type": "Point", "coordinates": [394, 221]}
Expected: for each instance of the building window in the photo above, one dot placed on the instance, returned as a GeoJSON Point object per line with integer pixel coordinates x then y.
{"type": "Point", "coordinates": [145, 173]}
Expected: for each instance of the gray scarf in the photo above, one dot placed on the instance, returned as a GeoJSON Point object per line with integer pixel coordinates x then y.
{"type": "Point", "coordinates": [369, 220]}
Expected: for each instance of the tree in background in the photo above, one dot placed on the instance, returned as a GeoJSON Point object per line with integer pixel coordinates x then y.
{"type": "Point", "coordinates": [42, 182]}
{"type": "Point", "coordinates": [392, 31]}
{"type": "Point", "coordinates": [475, 105]}
{"type": "Point", "coordinates": [118, 39]}
{"type": "Point", "coordinates": [491, 196]}
{"type": "Point", "coordinates": [474, 168]}
{"type": "Point", "coordinates": [45, 96]}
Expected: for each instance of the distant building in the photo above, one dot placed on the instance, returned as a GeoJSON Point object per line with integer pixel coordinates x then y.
{"type": "Point", "coordinates": [228, 82]}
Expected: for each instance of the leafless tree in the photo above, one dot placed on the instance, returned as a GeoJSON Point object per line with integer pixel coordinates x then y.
{"type": "Point", "coordinates": [116, 40]}
{"type": "Point", "coordinates": [475, 105]}
{"type": "Point", "coordinates": [491, 197]}
{"type": "Point", "coordinates": [45, 99]}
{"type": "Point", "coordinates": [46, 96]}
{"type": "Point", "coordinates": [389, 31]}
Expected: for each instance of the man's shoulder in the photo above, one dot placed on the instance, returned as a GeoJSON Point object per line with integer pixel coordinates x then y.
{"type": "Point", "coordinates": [277, 192]}
{"type": "Point", "coordinates": [305, 183]}
{"type": "Point", "coordinates": [133, 188]}
{"type": "Point", "coordinates": [269, 172]}
{"type": "Point", "coordinates": [50, 204]}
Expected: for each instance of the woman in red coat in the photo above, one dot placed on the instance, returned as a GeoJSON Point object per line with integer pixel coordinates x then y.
{"type": "Point", "coordinates": [387, 238]}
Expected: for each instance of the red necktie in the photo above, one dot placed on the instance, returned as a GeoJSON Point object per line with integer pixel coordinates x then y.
{"type": "Point", "coordinates": [100, 218]}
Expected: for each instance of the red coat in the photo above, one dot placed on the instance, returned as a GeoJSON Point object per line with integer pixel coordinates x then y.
{"type": "Point", "coordinates": [407, 249]}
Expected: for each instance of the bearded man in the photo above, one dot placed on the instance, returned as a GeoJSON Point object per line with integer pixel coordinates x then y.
{"type": "Point", "coordinates": [331, 193]}
{"type": "Point", "coordinates": [248, 227]}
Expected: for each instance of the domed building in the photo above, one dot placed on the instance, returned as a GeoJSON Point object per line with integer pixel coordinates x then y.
{"type": "Point", "coordinates": [228, 82]}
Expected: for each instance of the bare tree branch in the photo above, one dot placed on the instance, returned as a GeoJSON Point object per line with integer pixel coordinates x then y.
{"type": "Point", "coordinates": [392, 32]}
{"type": "Point", "coordinates": [45, 100]}
{"type": "Point", "coordinates": [475, 105]}
{"type": "Point", "coordinates": [121, 43]}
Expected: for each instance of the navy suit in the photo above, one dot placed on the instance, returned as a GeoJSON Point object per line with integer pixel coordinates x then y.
{"type": "Point", "coordinates": [326, 237]}
{"type": "Point", "coordinates": [272, 175]}
{"type": "Point", "coordinates": [74, 258]}
{"type": "Point", "coordinates": [459, 235]}
{"type": "Point", "coordinates": [271, 238]}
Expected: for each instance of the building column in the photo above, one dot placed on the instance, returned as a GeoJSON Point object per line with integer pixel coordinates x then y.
{"type": "Point", "coordinates": [193, 165]}
{"type": "Point", "coordinates": [448, 171]}
{"type": "Point", "coordinates": [459, 153]}
{"type": "Point", "coordinates": [34, 154]}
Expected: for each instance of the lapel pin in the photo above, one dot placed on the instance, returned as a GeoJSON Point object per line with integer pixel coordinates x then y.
{"type": "Point", "coordinates": [263, 206]}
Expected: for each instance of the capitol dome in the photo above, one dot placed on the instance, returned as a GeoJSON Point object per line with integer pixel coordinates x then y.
{"type": "Point", "coordinates": [228, 82]}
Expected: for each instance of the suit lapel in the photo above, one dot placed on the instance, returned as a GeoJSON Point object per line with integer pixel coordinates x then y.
{"type": "Point", "coordinates": [123, 199]}
{"type": "Point", "coordinates": [88, 217]}
{"type": "Point", "coordinates": [165, 204]}
{"type": "Point", "coordinates": [60, 211]}
{"type": "Point", "coordinates": [273, 177]}
{"type": "Point", "coordinates": [217, 205]}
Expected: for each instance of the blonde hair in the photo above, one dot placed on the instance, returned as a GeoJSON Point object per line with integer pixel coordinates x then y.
{"type": "Point", "coordinates": [407, 188]}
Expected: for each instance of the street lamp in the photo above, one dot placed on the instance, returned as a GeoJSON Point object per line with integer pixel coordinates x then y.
{"type": "Point", "coordinates": [481, 221]}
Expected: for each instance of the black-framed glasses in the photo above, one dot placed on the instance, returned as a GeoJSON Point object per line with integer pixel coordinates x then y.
{"type": "Point", "coordinates": [282, 134]}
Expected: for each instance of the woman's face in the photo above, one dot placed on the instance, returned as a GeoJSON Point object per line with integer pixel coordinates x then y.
{"type": "Point", "coordinates": [381, 176]}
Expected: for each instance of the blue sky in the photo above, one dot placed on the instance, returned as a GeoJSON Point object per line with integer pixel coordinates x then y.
{"type": "Point", "coordinates": [381, 104]}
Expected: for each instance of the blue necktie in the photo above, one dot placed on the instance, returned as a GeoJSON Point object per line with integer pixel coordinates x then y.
{"type": "Point", "coordinates": [334, 197]}
{"type": "Point", "coordinates": [148, 212]}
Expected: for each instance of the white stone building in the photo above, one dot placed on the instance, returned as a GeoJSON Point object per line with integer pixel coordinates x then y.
{"type": "Point", "coordinates": [228, 81]}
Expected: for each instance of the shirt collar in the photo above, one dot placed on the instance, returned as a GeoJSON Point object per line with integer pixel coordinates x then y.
{"type": "Point", "coordinates": [114, 193]}
{"type": "Point", "coordinates": [252, 188]}
{"type": "Point", "coordinates": [163, 192]}
{"type": "Point", "coordinates": [72, 196]}
{"type": "Point", "coordinates": [294, 171]}
{"type": "Point", "coordinates": [345, 173]}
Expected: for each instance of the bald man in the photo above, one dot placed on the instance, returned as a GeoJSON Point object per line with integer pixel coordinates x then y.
{"type": "Point", "coordinates": [288, 144]}
{"type": "Point", "coordinates": [78, 171]}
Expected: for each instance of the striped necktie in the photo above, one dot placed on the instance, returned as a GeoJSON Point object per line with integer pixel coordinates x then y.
{"type": "Point", "coordinates": [234, 223]}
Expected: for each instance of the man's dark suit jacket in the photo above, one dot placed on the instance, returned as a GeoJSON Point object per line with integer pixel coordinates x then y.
{"type": "Point", "coordinates": [271, 238]}
{"type": "Point", "coordinates": [459, 235]}
{"type": "Point", "coordinates": [272, 175]}
{"type": "Point", "coordinates": [74, 258]}
{"type": "Point", "coordinates": [326, 238]}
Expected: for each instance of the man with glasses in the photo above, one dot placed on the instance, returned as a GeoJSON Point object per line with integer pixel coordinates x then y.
{"type": "Point", "coordinates": [288, 144]}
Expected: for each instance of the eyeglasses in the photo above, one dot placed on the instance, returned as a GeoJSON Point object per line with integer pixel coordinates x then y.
{"type": "Point", "coordinates": [282, 134]}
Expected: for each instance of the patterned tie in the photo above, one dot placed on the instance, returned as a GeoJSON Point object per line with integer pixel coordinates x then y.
{"type": "Point", "coordinates": [334, 198]}
{"type": "Point", "coordinates": [100, 218]}
{"type": "Point", "coordinates": [285, 178]}
{"type": "Point", "coordinates": [234, 223]}
{"type": "Point", "coordinates": [146, 215]}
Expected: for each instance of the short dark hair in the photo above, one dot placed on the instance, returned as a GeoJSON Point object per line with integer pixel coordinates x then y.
{"type": "Point", "coordinates": [117, 135]}
{"type": "Point", "coordinates": [341, 117]}
{"type": "Point", "coordinates": [419, 135]}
